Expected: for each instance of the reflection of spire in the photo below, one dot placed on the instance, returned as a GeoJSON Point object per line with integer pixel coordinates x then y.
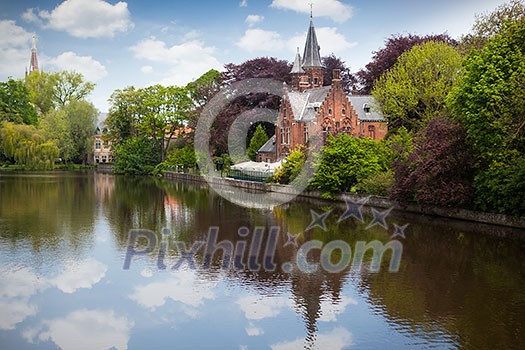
{"type": "Point", "coordinates": [33, 64]}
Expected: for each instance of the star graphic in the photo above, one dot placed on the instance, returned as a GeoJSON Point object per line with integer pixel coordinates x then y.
{"type": "Point", "coordinates": [318, 220]}
{"type": "Point", "coordinates": [399, 231]}
{"type": "Point", "coordinates": [291, 239]}
{"type": "Point", "coordinates": [354, 209]}
{"type": "Point", "coordinates": [379, 218]}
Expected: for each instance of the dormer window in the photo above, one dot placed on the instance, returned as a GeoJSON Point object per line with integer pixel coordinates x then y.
{"type": "Point", "coordinates": [366, 108]}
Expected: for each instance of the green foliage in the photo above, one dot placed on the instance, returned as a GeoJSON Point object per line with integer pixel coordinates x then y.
{"type": "Point", "coordinates": [69, 86]}
{"type": "Point", "coordinates": [347, 160]}
{"type": "Point", "coordinates": [377, 184]}
{"type": "Point", "coordinates": [15, 105]}
{"type": "Point", "coordinates": [489, 25]}
{"type": "Point", "coordinates": [257, 141]}
{"type": "Point", "coordinates": [182, 157]}
{"type": "Point", "coordinates": [27, 146]}
{"type": "Point", "coordinates": [55, 125]}
{"type": "Point", "coordinates": [135, 156]}
{"type": "Point", "coordinates": [400, 143]}
{"type": "Point", "coordinates": [291, 167]}
{"type": "Point", "coordinates": [490, 99]}
{"type": "Point", "coordinates": [40, 86]}
{"type": "Point", "coordinates": [501, 187]}
{"type": "Point", "coordinates": [415, 88]}
{"type": "Point", "coordinates": [155, 112]}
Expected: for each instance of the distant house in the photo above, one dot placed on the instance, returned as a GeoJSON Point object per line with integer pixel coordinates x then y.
{"type": "Point", "coordinates": [308, 108]}
{"type": "Point", "coordinates": [102, 148]}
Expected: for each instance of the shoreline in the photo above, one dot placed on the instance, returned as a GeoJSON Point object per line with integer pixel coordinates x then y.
{"type": "Point", "coordinates": [373, 201]}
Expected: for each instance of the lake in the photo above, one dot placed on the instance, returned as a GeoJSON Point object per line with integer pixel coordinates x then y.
{"type": "Point", "coordinates": [96, 261]}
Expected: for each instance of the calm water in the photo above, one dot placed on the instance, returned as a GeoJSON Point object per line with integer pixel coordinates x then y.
{"type": "Point", "coordinates": [63, 244]}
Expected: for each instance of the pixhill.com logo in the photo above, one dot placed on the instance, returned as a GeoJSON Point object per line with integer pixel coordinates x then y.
{"type": "Point", "coordinates": [255, 250]}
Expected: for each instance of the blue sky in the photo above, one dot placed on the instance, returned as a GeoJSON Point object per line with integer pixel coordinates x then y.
{"type": "Point", "coordinates": [121, 43]}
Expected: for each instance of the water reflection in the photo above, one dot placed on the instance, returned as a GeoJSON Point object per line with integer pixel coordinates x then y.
{"type": "Point", "coordinates": [63, 238]}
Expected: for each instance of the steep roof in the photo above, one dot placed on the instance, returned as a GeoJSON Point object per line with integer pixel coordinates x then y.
{"type": "Point", "coordinates": [367, 108]}
{"type": "Point", "coordinates": [311, 56]}
{"type": "Point", "coordinates": [305, 104]}
{"type": "Point", "coordinates": [269, 146]}
{"type": "Point", "coordinates": [297, 64]}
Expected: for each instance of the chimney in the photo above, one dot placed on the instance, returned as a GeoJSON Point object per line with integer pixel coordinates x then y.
{"type": "Point", "coordinates": [336, 79]}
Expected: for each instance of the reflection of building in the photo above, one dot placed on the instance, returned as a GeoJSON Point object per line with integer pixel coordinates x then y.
{"type": "Point", "coordinates": [308, 108]}
{"type": "Point", "coordinates": [102, 148]}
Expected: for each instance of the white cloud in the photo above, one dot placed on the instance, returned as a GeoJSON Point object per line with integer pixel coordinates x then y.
{"type": "Point", "coordinates": [330, 310]}
{"type": "Point", "coordinates": [15, 291]}
{"type": "Point", "coordinates": [253, 19]}
{"type": "Point", "coordinates": [87, 18]}
{"type": "Point", "coordinates": [15, 49]}
{"type": "Point", "coordinates": [82, 274]}
{"type": "Point", "coordinates": [259, 40]}
{"type": "Point", "coordinates": [243, 3]}
{"type": "Point", "coordinates": [334, 9]}
{"type": "Point", "coordinates": [185, 62]}
{"type": "Point", "coordinates": [253, 331]}
{"type": "Point", "coordinates": [182, 287]}
{"type": "Point", "coordinates": [258, 308]}
{"type": "Point", "coordinates": [31, 16]}
{"type": "Point", "coordinates": [146, 69]}
{"type": "Point", "coordinates": [86, 329]}
{"type": "Point", "coordinates": [91, 69]}
{"type": "Point", "coordinates": [337, 339]}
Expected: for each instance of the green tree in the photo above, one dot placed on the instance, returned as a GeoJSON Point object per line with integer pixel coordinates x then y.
{"type": "Point", "coordinates": [258, 139]}
{"type": "Point", "coordinates": [69, 86]}
{"type": "Point", "coordinates": [56, 126]}
{"type": "Point", "coordinates": [15, 105]}
{"type": "Point", "coordinates": [135, 156]}
{"type": "Point", "coordinates": [490, 102]}
{"type": "Point", "coordinates": [415, 88]}
{"type": "Point", "coordinates": [345, 161]}
{"type": "Point", "coordinates": [291, 167]}
{"type": "Point", "coordinates": [486, 26]}
{"type": "Point", "coordinates": [82, 118]}
{"type": "Point", "coordinates": [27, 146]}
{"type": "Point", "coordinates": [40, 86]}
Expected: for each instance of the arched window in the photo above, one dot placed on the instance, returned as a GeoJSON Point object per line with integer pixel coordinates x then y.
{"type": "Point", "coordinates": [343, 112]}
{"type": "Point", "coordinates": [329, 111]}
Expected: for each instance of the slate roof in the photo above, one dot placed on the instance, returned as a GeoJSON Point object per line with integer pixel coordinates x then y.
{"type": "Point", "coordinates": [360, 102]}
{"type": "Point", "coordinates": [297, 64]}
{"type": "Point", "coordinates": [311, 56]}
{"type": "Point", "coordinates": [304, 104]}
{"type": "Point", "coordinates": [269, 146]}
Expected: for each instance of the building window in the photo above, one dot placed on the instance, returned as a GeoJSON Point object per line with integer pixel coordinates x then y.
{"type": "Point", "coordinates": [316, 81]}
{"type": "Point", "coordinates": [97, 144]}
{"type": "Point", "coordinates": [343, 112]}
{"type": "Point", "coordinates": [366, 108]}
{"type": "Point", "coordinates": [372, 131]}
{"type": "Point", "coordinates": [284, 112]}
{"type": "Point", "coordinates": [305, 134]}
{"type": "Point", "coordinates": [329, 111]}
{"type": "Point", "coordinates": [282, 136]}
{"type": "Point", "coordinates": [111, 159]}
{"type": "Point", "coordinates": [97, 159]}
{"type": "Point", "coordinates": [287, 136]}
{"type": "Point", "coordinates": [104, 159]}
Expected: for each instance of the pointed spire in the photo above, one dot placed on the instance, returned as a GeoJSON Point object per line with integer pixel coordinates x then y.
{"type": "Point", "coordinates": [33, 64]}
{"type": "Point", "coordinates": [297, 64]}
{"type": "Point", "coordinates": [311, 56]}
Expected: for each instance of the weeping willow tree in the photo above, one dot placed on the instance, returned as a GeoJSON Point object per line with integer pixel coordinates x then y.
{"type": "Point", "coordinates": [25, 145]}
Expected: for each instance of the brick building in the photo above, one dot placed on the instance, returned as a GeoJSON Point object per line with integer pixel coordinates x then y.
{"type": "Point", "coordinates": [309, 108]}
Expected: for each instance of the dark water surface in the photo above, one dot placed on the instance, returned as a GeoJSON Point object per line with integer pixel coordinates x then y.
{"type": "Point", "coordinates": [64, 238]}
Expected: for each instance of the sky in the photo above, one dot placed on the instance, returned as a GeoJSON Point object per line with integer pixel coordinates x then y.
{"type": "Point", "coordinates": [116, 44]}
